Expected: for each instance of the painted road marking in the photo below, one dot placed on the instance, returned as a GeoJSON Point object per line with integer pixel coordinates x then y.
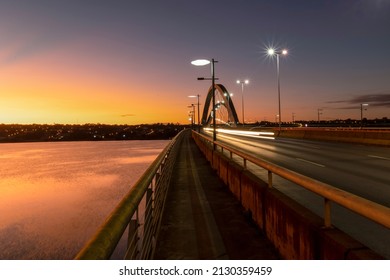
{"type": "Point", "coordinates": [311, 162]}
{"type": "Point", "coordinates": [385, 158]}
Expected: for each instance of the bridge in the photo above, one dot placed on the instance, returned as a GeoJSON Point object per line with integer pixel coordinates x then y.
{"type": "Point", "coordinates": [226, 199]}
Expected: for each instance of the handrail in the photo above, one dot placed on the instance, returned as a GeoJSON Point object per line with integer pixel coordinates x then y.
{"type": "Point", "coordinates": [364, 207]}
{"type": "Point", "coordinates": [104, 242]}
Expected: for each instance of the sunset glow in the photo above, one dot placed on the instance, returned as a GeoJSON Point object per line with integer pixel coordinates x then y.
{"type": "Point", "coordinates": [110, 63]}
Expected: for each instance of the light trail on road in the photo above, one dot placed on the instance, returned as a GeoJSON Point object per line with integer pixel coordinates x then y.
{"type": "Point", "coordinates": [254, 134]}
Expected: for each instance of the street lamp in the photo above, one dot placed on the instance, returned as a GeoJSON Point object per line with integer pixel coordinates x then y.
{"type": "Point", "coordinates": [319, 112]}
{"type": "Point", "coordinates": [193, 96]}
{"type": "Point", "coordinates": [203, 62]}
{"type": "Point", "coordinates": [361, 114]}
{"type": "Point", "coordinates": [272, 52]}
{"type": "Point", "coordinates": [242, 100]}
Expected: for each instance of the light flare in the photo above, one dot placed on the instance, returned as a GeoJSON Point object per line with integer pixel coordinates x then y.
{"type": "Point", "coordinates": [254, 134]}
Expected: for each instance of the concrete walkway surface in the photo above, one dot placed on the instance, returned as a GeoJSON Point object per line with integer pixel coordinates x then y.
{"type": "Point", "coordinates": [202, 219]}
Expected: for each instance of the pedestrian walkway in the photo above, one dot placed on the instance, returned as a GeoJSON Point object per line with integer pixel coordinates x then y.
{"type": "Point", "coordinates": [202, 219]}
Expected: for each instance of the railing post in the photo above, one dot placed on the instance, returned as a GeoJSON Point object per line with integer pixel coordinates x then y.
{"type": "Point", "coordinates": [148, 224]}
{"type": "Point", "coordinates": [149, 208]}
{"type": "Point", "coordinates": [157, 177]}
{"type": "Point", "coordinates": [132, 238]}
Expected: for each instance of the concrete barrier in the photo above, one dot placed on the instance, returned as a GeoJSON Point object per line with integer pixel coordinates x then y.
{"type": "Point", "coordinates": [295, 231]}
{"type": "Point", "coordinates": [215, 161]}
{"type": "Point", "coordinates": [253, 192]}
{"type": "Point", "coordinates": [224, 169]}
{"type": "Point", "coordinates": [234, 178]}
{"type": "Point", "coordinates": [291, 228]}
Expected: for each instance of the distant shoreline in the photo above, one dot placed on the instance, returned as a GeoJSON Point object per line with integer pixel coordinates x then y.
{"type": "Point", "coordinates": [24, 133]}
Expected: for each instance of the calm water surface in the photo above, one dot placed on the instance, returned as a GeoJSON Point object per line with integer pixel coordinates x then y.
{"type": "Point", "coordinates": [53, 196]}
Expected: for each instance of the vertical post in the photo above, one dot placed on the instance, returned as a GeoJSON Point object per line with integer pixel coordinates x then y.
{"type": "Point", "coordinates": [361, 114]}
{"type": "Point", "coordinates": [148, 222]}
{"type": "Point", "coordinates": [319, 114]}
{"type": "Point", "coordinates": [192, 116]}
{"type": "Point", "coordinates": [242, 101]}
{"type": "Point", "coordinates": [198, 116]}
{"type": "Point", "coordinates": [213, 90]}
{"type": "Point", "coordinates": [277, 70]}
{"type": "Point", "coordinates": [132, 239]}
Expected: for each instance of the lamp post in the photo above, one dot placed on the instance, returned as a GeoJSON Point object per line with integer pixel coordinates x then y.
{"type": "Point", "coordinates": [361, 114]}
{"type": "Point", "coordinates": [193, 96]}
{"type": "Point", "coordinates": [319, 113]}
{"type": "Point", "coordinates": [242, 99]}
{"type": "Point", "coordinates": [202, 62]}
{"type": "Point", "coordinates": [192, 115]}
{"type": "Point", "coordinates": [272, 52]}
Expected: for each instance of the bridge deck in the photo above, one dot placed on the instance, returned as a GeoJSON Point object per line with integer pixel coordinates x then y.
{"type": "Point", "coordinates": [202, 219]}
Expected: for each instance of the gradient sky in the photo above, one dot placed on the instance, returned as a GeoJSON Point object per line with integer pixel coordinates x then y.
{"type": "Point", "coordinates": [128, 61]}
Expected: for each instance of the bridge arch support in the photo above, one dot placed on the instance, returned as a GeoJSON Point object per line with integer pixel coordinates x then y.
{"type": "Point", "coordinates": [222, 99]}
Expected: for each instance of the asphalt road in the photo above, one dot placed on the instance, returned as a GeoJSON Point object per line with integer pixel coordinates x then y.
{"type": "Point", "coordinates": [358, 169]}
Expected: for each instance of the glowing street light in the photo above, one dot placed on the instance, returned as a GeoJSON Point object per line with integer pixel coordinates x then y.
{"type": "Point", "coordinates": [242, 100]}
{"type": "Point", "coordinates": [203, 62]}
{"type": "Point", "coordinates": [272, 52]}
{"type": "Point", "coordinates": [200, 62]}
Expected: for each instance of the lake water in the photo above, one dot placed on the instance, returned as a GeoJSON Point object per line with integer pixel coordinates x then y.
{"type": "Point", "coordinates": [54, 196]}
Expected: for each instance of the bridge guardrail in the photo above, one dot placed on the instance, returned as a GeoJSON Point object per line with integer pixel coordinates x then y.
{"type": "Point", "coordinates": [138, 213]}
{"type": "Point", "coordinates": [366, 208]}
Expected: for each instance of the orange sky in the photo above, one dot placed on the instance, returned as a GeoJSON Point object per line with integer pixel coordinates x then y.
{"type": "Point", "coordinates": [66, 86]}
{"type": "Point", "coordinates": [129, 63]}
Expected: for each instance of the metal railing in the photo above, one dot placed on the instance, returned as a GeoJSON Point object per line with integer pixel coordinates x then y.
{"type": "Point", "coordinates": [366, 208]}
{"type": "Point", "coordinates": [138, 216]}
